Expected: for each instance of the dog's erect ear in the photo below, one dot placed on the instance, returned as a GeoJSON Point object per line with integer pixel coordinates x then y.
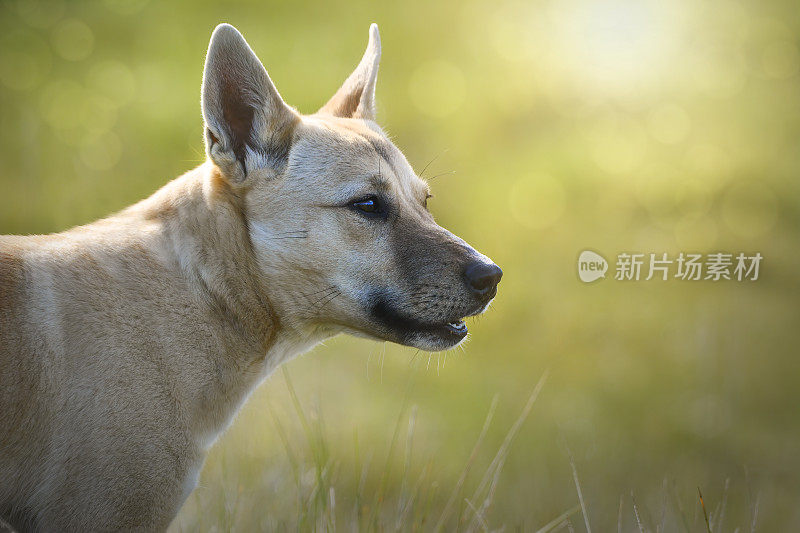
{"type": "Point", "coordinates": [356, 97]}
{"type": "Point", "coordinates": [248, 125]}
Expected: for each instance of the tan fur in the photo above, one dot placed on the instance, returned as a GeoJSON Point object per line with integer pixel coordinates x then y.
{"type": "Point", "coordinates": [127, 345]}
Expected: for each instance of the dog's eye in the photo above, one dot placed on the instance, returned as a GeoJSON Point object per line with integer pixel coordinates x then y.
{"type": "Point", "coordinates": [369, 206]}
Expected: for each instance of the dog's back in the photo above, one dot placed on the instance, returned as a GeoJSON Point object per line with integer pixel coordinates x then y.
{"type": "Point", "coordinates": [85, 379]}
{"type": "Point", "coordinates": [58, 377]}
{"type": "Point", "coordinates": [21, 375]}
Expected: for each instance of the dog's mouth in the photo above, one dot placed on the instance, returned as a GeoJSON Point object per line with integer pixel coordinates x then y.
{"type": "Point", "coordinates": [457, 328]}
{"type": "Point", "coordinates": [425, 334]}
{"type": "Point", "coordinates": [447, 331]}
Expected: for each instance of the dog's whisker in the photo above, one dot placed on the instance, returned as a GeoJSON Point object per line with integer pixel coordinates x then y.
{"type": "Point", "coordinates": [422, 173]}
{"type": "Point", "coordinates": [310, 294]}
{"type": "Point", "coordinates": [327, 295]}
{"type": "Point", "coordinates": [441, 174]}
{"type": "Point", "coordinates": [414, 357]}
{"type": "Point", "coordinates": [321, 302]}
{"type": "Point", "coordinates": [383, 358]}
{"type": "Point", "coordinates": [326, 300]}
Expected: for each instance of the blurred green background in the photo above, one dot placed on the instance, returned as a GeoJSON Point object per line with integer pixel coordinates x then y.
{"type": "Point", "coordinates": [627, 125]}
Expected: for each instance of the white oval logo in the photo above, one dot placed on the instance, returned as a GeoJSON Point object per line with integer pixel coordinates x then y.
{"type": "Point", "coordinates": [591, 266]}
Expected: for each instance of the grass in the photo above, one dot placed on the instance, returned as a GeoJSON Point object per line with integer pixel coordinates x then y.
{"type": "Point", "coordinates": [403, 495]}
{"type": "Point", "coordinates": [407, 504]}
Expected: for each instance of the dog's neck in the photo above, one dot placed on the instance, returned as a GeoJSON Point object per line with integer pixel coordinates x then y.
{"type": "Point", "coordinates": [204, 229]}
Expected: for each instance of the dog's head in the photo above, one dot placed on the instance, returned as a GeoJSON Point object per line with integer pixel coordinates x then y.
{"type": "Point", "coordinates": [337, 218]}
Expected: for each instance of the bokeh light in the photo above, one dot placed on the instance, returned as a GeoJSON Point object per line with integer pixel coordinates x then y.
{"type": "Point", "coordinates": [437, 88]}
{"type": "Point", "coordinates": [73, 39]}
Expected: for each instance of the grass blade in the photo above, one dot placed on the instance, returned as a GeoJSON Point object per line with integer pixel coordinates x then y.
{"type": "Point", "coordinates": [552, 524]}
{"type": "Point", "coordinates": [705, 513]}
{"type": "Point", "coordinates": [496, 465]}
{"type": "Point", "coordinates": [460, 483]}
{"type": "Point", "coordinates": [580, 492]}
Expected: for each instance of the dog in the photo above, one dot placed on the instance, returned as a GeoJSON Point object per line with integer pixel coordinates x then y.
{"type": "Point", "coordinates": [128, 345]}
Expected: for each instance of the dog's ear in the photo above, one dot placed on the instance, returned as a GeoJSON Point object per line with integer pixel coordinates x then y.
{"type": "Point", "coordinates": [247, 123]}
{"type": "Point", "coordinates": [356, 97]}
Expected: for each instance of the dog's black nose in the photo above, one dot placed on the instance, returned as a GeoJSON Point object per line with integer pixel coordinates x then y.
{"type": "Point", "coordinates": [483, 278]}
